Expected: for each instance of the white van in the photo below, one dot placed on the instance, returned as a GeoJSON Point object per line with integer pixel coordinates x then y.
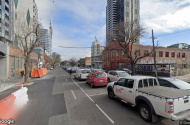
{"type": "Point", "coordinates": [81, 74]}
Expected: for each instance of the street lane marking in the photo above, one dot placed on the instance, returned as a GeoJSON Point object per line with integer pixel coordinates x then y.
{"type": "Point", "coordinates": [93, 102]}
{"type": "Point", "coordinates": [73, 94]}
{"type": "Point", "coordinates": [83, 91]}
{"type": "Point", "coordinates": [105, 114]}
{"type": "Point", "coordinates": [98, 94]}
{"type": "Point", "coordinates": [66, 80]}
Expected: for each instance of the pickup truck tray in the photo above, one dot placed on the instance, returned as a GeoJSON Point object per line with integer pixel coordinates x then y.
{"type": "Point", "coordinates": [164, 92]}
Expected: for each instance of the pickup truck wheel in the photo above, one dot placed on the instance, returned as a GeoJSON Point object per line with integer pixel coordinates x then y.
{"type": "Point", "coordinates": [145, 112]}
{"type": "Point", "coordinates": [111, 94]}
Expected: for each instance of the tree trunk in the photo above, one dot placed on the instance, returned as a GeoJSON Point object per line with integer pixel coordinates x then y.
{"type": "Point", "coordinates": [133, 69]}
{"type": "Point", "coordinates": [26, 67]}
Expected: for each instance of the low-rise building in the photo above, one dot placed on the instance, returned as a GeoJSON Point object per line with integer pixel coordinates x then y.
{"type": "Point", "coordinates": [85, 62]}
{"type": "Point", "coordinates": [114, 57]}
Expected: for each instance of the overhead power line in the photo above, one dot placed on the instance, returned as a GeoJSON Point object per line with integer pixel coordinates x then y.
{"type": "Point", "coordinates": [75, 47]}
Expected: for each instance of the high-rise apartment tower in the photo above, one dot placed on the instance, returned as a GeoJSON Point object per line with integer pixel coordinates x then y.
{"type": "Point", "coordinates": [123, 12]}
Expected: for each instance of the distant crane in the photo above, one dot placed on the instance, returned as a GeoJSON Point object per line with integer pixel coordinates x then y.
{"type": "Point", "coordinates": [52, 13]}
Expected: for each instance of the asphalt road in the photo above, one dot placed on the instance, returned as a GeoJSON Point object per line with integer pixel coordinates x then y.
{"type": "Point", "coordinates": [58, 99]}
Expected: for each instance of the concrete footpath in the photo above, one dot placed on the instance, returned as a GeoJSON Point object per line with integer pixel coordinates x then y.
{"type": "Point", "coordinates": [8, 86]}
{"type": "Point", "coordinates": [8, 83]}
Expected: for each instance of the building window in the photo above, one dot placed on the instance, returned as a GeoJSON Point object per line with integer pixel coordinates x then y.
{"type": "Point", "coordinates": [153, 54]}
{"type": "Point", "coordinates": [117, 54]}
{"type": "Point", "coordinates": [137, 53]}
{"type": "Point", "coordinates": [12, 63]}
{"type": "Point", "coordinates": [178, 55]}
{"type": "Point", "coordinates": [145, 52]}
{"type": "Point", "coordinates": [167, 54]}
{"type": "Point", "coordinates": [108, 63]}
{"type": "Point", "coordinates": [183, 55]}
{"type": "Point", "coordinates": [108, 56]}
{"type": "Point", "coordinates": [20, 62]}
{"type": "Point", "coordinates": [17, 63]}
{"type": "Point", "coordinates": [160, 54]}
{"type": "Point", "coordinates": [123, 54]}
{"type": "Point", "coordinates": [173, 54]}
{"type": "Point", "coordinates": [112, 54]}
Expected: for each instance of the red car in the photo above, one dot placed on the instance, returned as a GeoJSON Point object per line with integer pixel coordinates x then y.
{"type": "Point", "coordinates": [97, 79]}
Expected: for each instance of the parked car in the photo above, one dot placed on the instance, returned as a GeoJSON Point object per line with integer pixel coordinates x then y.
{"type": "Point", "coordinates": [174, 83]}
{"type": "Point", "coordinates": [115, 75]}
{"type": "Point", "coordinates": [81, 74]}
{"type": "Point", "coordinates": [97, 70]}
{"type": "Point", "coordinates": [97, 79]}
{"type": "Point", "coordinates": [126, 70]}
{"type": "Point", "coordinates": [51, 68]}
{"type": "Point", "coordinates": [151, 99]}
{"type": "Point", "coordinates": [73, 69]}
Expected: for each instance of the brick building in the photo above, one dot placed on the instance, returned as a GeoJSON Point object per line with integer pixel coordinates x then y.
{"type": "Point", "coordinates": [16, 61]}
{"type": "Point", "coordinates": [114, 57]}
{"type": "Point", "coordinates": [85, 62]}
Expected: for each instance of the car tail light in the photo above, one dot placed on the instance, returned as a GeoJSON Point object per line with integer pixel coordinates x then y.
{"type": "Point", "coordinates": [170, 107]}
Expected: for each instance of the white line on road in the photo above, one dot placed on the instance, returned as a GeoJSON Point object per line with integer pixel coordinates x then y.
{"type": "Point", "coordinates": [73, 94]}
{"type": "Point", "coordinates": [83, 91]}
{"type": "Point", "coordinates": [93, 102]}
{"type": "Point", "coordinates": [105, 114]}
{"type": "Point", "coordinates": [98, 94]}
{"type": "Point", "coordinates": [66, 80]}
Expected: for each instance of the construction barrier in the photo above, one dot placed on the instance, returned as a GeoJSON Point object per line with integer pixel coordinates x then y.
{"type": "Point", "coordinates": [39, 73]}
{"type": "Point", "coordinates": [11, 105]}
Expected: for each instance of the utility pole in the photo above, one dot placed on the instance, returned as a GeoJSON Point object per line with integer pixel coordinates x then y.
{"type": "Point", "coordinates": [154, 52]}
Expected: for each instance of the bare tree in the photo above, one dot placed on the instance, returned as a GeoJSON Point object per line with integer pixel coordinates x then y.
{"type": "Point", "coordinates": [28, 35]}
{"type": "Point", "coordinates": [127, 38]}
{"type": "Point", "coordinates": [73, 61]}
{"type": "Point", "coordinates": [54, 61]}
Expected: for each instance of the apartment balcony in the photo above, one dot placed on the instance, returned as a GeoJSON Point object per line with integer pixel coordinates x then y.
{"type": "Point", "coordinates": [6, 36]}
{"type": "Point", "coordinates": [6, 28]}
{"type": "Point", "coordinates": [6, 12]}
{"type": "Point", "coordinates": [6, 20]}
{"type": "Point", "coordinates": [6, 4]}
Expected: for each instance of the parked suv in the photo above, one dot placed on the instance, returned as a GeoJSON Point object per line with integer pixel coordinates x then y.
{"type": "Point", "coordinates": [81, 74]}
{"type": "Point", "coordinates": [116, 75]}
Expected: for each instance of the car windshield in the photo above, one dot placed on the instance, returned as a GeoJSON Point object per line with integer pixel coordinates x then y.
{"type": "Point", "coordinates": [122, 74]}
{"type": "Point", "coordinates": [85, 71]}
{"type": "Point", "coordinates": [181, 84]}
{"type": "Point", "coordinates": [100, 75]}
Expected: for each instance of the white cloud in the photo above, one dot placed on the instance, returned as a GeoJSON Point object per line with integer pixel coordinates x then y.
{"type": "Point", "coordinates": [165, 16]}
{"type": "Point", "coordinates": [45, 8]}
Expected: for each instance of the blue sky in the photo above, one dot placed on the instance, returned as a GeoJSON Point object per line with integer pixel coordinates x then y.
{"type": "Point", "coordinates": [77, 22]}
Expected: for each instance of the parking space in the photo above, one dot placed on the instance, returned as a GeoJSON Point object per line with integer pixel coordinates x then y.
{"type": "Point", "coordinates": [120, 112]}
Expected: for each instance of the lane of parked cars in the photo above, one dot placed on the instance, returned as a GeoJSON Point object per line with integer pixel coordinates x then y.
{"type": "Point", "coordinates": [165, 97]}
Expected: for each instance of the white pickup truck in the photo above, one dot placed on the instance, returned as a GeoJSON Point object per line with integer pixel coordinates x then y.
{"type": "Point", "coordinates": [150, 98]}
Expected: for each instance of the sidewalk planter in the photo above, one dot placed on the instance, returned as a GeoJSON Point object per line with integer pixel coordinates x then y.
{"type": "Point", "coordinates": [39, 73]}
